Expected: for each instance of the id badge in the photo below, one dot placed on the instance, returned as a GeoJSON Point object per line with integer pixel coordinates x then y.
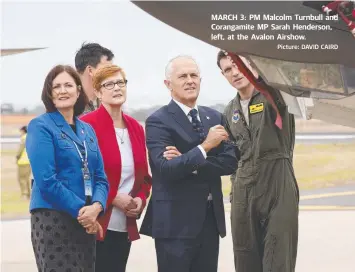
{"type": "Point", "coordinates": [87, 181]}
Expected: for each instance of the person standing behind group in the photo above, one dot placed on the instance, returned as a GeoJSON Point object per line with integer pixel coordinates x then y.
{"type": "Point", "coordinates": [89, 58]}
{"type": "Point", "coordinates": [23, 166]}
{"type": "Point", "coordinates": [70, 187]}
{"type": "Point", "coordinates": [122, 143]}
{"type": "Point", "coordinates": [265, 196]}
{"type": "Point", "coordinates": [188, 155]}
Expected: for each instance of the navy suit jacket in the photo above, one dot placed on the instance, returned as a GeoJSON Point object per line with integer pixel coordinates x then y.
{"type": "Point", "coordinates": [178, 205]}
{"type": "Point", "coordinates": [56, 165]}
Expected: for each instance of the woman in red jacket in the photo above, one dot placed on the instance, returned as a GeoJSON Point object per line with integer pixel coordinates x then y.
{"type": "Point", "coordinates": [122, 144]}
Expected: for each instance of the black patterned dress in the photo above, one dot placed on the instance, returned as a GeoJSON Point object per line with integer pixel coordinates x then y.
{"type": "Point", "coordinates": [60, 243]}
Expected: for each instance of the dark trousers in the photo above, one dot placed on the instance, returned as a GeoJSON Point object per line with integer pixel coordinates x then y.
{"type": "Point", "coordinates": [112, 253]}
{"type": "Point", "coordinates": [264, 219]}
{"type": "Point", "coordinates": [191, 255]}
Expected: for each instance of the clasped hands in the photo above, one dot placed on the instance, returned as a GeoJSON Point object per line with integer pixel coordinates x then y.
{"type": "Point", "coordinates": [215, 136]}
{"type": "Point", "coordinates": [88, 218]}
{"type": "Point", "coordinates": [131, 207]}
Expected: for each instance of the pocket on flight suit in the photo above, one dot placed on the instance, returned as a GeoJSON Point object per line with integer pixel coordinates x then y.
{"type": "Point", "coordinates": [240, 218]}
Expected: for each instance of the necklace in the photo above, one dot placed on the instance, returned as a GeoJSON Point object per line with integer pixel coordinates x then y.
{"type": "Point", "coordinates": [121, 137]}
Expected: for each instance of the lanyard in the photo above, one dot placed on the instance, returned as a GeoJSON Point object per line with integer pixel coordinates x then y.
{"type": "Point", "coordinates": [85, 170]}
{"type": "Point", "coordinates": [85, 162]}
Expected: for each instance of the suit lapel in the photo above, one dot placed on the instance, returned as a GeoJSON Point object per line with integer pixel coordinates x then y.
{"type": "Point", "coordinates": [66, 129]}
{"type": "Point", "coordinates": [184, 122]}
{"type": "Point", "coordinates": [107, 138]}
{"type": "Point", "coordinates": [80, 130]}
{"type": "Point", "coordinates": [205, 119]}
{"type": "Point", "coordinates": [105, 131]}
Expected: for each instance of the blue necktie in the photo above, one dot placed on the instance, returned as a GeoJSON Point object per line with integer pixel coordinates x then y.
{"type": "Point", "coordinates": [197, 125]}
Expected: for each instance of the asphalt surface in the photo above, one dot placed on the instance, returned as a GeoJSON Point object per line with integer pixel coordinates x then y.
{"type": "Point", "coordinates": [326, 237]}
{"type": "Point", "coordinates": [340, 196]}
{"type": "Point", "coordinates": [323, 138]}
{"type": "Point", "coordinates": [326, 244]}
{"type": "Point", "coordinates": [335, 189]}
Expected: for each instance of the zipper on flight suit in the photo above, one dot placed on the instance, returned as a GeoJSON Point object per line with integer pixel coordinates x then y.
{"type": "Point", "coordinates": [243, 117]}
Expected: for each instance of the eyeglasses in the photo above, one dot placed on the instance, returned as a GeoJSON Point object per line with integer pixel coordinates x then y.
{"type": "Point", "coordinates": [110, 85]}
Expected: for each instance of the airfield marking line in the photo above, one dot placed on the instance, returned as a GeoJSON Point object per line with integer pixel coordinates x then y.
{"type": "Point", "coordinates": [306, 197]}
{"type": "Point", "coordinates": [326, 208]}
{"type": "Point", "coordinates": [227, 207]}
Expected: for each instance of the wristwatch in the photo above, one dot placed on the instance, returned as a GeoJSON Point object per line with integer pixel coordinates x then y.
{"type": "Point", "coordinates": [102, 208]}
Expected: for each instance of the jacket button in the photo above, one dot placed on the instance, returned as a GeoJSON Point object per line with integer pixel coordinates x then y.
{"type": "Point", "coordinates": [91, 140]}
{"type": "Point", "coordinates": [63, 136]}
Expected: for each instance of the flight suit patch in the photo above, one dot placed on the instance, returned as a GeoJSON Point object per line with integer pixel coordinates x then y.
{"type": "Point", "coordinates": [256, 108]}
{"type": "Point", "coordinates": [236, 116]}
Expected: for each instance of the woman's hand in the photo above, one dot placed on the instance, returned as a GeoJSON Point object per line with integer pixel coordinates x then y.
{"type": "Point", "coordinates": [88, 214]}
{"type": "Point", "coordinates": [124, 202]}
{"type": "Point", "coordinates": [95, 228]}
{"type": "Point", "coordinates": [136, 211]}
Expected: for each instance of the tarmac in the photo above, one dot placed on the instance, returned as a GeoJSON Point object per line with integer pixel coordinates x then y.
{"type": "Point", "coordinates": [326, 237]}
{"type": "Point", "coordinates": [326, 244]}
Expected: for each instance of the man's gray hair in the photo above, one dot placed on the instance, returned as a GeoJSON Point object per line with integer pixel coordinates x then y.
{"type": "Point", "coordinates": [169, 66]}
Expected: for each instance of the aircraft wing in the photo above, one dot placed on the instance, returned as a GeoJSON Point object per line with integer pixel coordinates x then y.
{"type": "Point", "coordinates": [315, 83]}
{"type": "Point", "coordinates": [14, 51]}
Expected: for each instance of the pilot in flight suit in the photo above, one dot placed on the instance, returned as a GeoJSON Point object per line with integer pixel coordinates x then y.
{"type": "Point", "coordinates": [265, 196]}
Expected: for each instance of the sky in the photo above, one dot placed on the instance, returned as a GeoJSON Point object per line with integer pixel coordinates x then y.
{"type": "Point", "coordinates": [142, 46]}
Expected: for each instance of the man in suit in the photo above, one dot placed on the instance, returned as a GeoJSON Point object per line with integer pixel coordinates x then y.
{"type": "Point", "coordinates": [188, 155]}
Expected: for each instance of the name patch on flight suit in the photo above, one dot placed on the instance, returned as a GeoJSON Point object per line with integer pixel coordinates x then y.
{"type": "Point", "coordinates": [256, 108]}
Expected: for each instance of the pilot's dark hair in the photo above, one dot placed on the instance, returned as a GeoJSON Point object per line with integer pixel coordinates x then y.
{"type": "Point", "coordinates": [91, 54]}
{"type": "Point", "coordinates": [24, 129]}
{"type": "Point", "coordinates": [47, 97]}
{"type": "Point", "coordinates": [221, 55]}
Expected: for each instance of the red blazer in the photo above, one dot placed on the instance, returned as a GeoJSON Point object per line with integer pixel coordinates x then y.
{"type": "Point", "coordinates": [102, 123]}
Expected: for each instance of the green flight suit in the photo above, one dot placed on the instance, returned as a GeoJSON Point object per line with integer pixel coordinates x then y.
{"type": "Point", "coordinates": [265, 196]}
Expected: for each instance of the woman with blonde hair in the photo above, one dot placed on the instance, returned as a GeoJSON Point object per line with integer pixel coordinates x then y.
{"type": "Point", "coordinates": [122, 144]}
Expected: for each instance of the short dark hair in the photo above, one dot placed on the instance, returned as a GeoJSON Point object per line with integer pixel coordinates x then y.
{"type": "Point", "coordinates": [91, 54]}
{"type": "Point", "coordinates": [220, 56]}
{"type": "Point", "coordinates": [47, 98]}
{"type": "Point", "coordinates": [24, 129]}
